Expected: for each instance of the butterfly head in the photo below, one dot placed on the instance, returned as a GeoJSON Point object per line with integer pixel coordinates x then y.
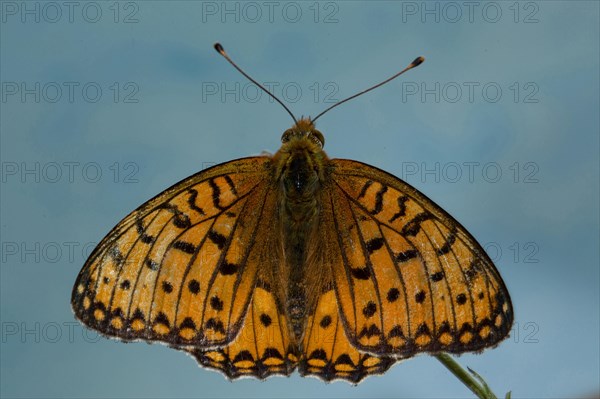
{"type": "Point", "coordinates": [303, 130]}
{"type": "Point", "coordinates": [300, 161]}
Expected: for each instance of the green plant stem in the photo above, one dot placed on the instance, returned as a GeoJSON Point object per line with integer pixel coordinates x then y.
{"type": "Point", "coordinates": [465, 377]}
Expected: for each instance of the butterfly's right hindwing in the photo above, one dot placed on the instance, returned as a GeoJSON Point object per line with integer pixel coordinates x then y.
{"type": "Point", "coordinates": [177, 269]}
{"type": "Point", "coordinates": [328, 354]}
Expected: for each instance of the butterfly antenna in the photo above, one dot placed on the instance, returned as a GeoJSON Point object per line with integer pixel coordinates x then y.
{"type": "Point", "coordinates": [418, 61]}
{"type": "Point", "coordinates": [221, 51]}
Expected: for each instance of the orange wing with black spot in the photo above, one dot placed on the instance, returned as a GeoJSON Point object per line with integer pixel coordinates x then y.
{"type": "Point", "coordinates": [329, 354]}
{"type": "Point", "coordinates": [410, 278]}
{"type": "Point", "coordinates": [263, 346]}
{"type": "Point", "coordinates": [181, 268]}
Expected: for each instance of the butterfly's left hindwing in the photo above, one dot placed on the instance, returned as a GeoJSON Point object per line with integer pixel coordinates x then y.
{"type": "Point", "coordinates": [180, 269]}
{"type": "Point", "coordinates": [411, 279]}
{"type": "Point", "coordinates": [262, 348]}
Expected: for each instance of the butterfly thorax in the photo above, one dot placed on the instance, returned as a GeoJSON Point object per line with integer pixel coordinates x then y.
{"type": "Point", "coordinates": [300, 170]}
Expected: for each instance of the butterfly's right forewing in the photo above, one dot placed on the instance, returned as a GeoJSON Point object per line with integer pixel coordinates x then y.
{"type": "Point", "coordinates": [411, 279]}
{"type": "Point", "coordinates": [177, 269]}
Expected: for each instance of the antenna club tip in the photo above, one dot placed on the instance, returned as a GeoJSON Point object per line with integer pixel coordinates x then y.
{"type": "Point", "coordinates": [418, 61]}
{"type": "Point", "coordinates": [219, 48]}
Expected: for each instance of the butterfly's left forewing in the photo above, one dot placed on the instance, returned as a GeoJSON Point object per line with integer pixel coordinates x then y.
{"type": "Point", "coordinates": [263, 346]}
{"type": "Point", "coordinates": [177, 269]}
{"type": "Point", "coordinates": [411, 279]}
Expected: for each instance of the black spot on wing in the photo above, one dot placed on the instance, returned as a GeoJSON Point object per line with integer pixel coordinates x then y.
{"type": "Point", "coordinates": [370, 309]}
{"type": "Point", "coordinates": [465, 328]}
{"type": "Point", "coordinates": [401, 208]}
{"type": "Point", "coordinates": [438, 276]}
{"type": "Point", "coordinates": [372, 331]}
{"type": "Point", "coordinates": [180, 219]}
{"type": "Point", "coordinates": [138, 315]}
{"type": "Point", "coordinates": [152, 265]}
{"type": "Point", "coordinates": [141, 230]}
{"type": "Point", "coordinates": [194, 286]}
{"type": "Point", "coordinates": [413, 227]}
{"type": "Point", "coordinates": [243, 356]}
{"type": "Point", "coordinates": [216, 303]}
{"type": "Point", "coordinates": [379, 200]}
{"type": "Point", "coordinates": [216, 194]}
{"type": "Point", "coordinates": [473, 270]}
{"type": "Point", "coordinates": [406, 255]}
{"type": "Point", "coordinates": [265, 319]}
{"type": "Point", "coordinates": [215, 324]}
{"type": "Point", "coordinates": [344, 359]}
{"type": "Point", "coordinates": [423, 329]}
{"type": "Point", "coordinates": [231, 185]}
{"type": "Point", "coordinates": [184, 246]}
{"type": "Point", "coordinates": [187, 323]}
{"type": "Point", "coordinates": [318, 354]}
{"type": "Point", "coordinates": [396, 331]}
{"type": "Point", "coordinates": [162, 318]}
{"type": "Point", "coordinates": [118, 312]}
{"type": "Point", "coordinates": [360, 273]}
{"type": "Point", "coordinates": [116, 256]}
{"type": "Point", "coordinates": [272, 353]}
{"type": "Point", "coordinates": [227, 269]}
{"type": "Point", "coordinates": [444, 328]}
{"type": "Point", "coordinates": [393, 295]}
{"type": "Point", "coordinates": [167, 287]}
{"type": "Point", "coordinates": [192, 201]}
{"type": "Point", "coordinates": [374, 244]}
{"type": "Point", "coordinates": [325, 321]}
{"type": "Point", "coordinates": [364, 189]}
{"type": "Point", "coordinates": [217, 238]}
{"type": "Point", "coordinates": [444, 249]}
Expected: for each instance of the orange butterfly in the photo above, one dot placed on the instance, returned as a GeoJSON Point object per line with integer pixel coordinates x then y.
{"type": "Point", "coordinates": [262, 265]}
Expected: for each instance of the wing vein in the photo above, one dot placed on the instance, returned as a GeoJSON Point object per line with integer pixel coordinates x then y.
{"type": "Point", "coordinates": [370, 266]}
{"type": "Point", "coordinates": [402, 283]}
{"type": "Point", "coordinates": [427, 273]}
{"type": "Point", "coordinates": [114, 289]}
{"type": "Point", "coordinates": [346, 269]}
{"type": "Point", "coordinates": [245, 260]}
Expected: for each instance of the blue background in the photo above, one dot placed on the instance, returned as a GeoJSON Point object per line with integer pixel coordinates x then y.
{"type": "Point", "coordinates": [532, 116]}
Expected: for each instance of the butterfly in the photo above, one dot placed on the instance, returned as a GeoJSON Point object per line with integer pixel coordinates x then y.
{"type": "Point", "coordinates": [295, 261]}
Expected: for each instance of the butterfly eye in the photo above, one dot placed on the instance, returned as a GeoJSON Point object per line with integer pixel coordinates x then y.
{"type": "Point", "coordinates": [317, 138]}
{"type": "Point", "coordinates": [285, 137]}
